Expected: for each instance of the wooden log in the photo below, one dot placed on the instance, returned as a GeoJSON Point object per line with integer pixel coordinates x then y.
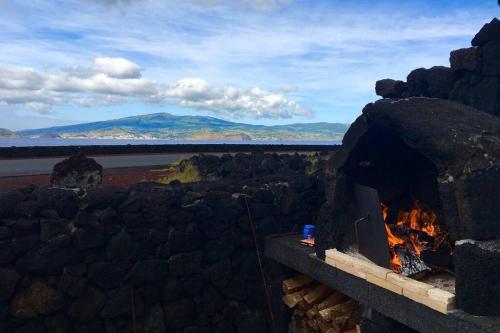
{"type": "Point", "coordinates": [295, 284]}
{"type": "Point", "coordinates": [332, 300]}
{"type": "Point", "coordinates": [317, 294]}
{"type": "Point", "coordinates": [338, 310]}
{"type": "Point", "coordinates": [312, 324]}
{"type": "Point", "coordinates": [291, 300]}
{"type": "Point", "coordinates": [304, 306]}
{"type": "Point", "coordinates": [312, 312]}
{"type": "Point", "coordinates": [323, 325]}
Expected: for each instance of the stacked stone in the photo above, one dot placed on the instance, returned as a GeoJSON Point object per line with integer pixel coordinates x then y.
{"type": "Point", "coordinates": [473, 78]}
{"type": "Point", "coordinates": [176, 258]}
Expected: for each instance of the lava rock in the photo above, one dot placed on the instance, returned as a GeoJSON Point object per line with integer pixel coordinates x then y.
{"type": "Point", "coordinates": [179, 241]}
{"type": "Point", "coordinates": [154, 322]}
{"type": "Point", "coordinates": [179, 314]}
{"type": "Point", "coordinates": [63, 201]}
{"type": "Point", "coordinates": [88, 238]}
{"type": "Point", "coordinates": [477, 91]}
{"type": "Point", "coordinates": [489, 32]}
{"type": "Point", "coordinates": [107, 275]}
{"type": "Point", "coordinates": [250, 321]}
{"type": "Point", "coordinates": [6, 253]}
{"type": "Point", "coordinates": [114, 307]}
{"type": "Point", "coordinates": [120, 246]}
{"type": "Point", "coordinates": [58, 323]}
{"type": "Point", "coordinates": [389, 88]}
{"type": "Point", "coordinates": [76, 270]}
{"type": "Point", "coordinates": [25, 227]}
{"type": "Point", "coordinates": [218, 249]}
{"type": "Point", "coordinates": [433, 82]}
{"type": "Point", "coordinates": [220, 273]}
{"type": "Point", "coordinates": [236, 289]}
{"type": "Point", "coordinates": [249, 268]}
{"type": "Point", "coordinates": [73, 286]}
{"type": "Point", "coordinates": [491, 58]}
{"type": "Point", "coordinates": [22, 245]}
{"type": "Point", "coordinates": [477, 277]}
{"type": "Point", "coordinates": [77, 171]}
{"type": "Point", "coordinates": [109, 216]}
{"type": "Point", "coordinates": [27, 209]}
{"type": "Point", "coordinates": [172, 289]}
{"type": "Point", "coordinates": [50, 258]}
{"type": "Point", "coordinates": [467, 59]}
{"type": "Point", "coordinates": [105, 197]}
{"type": "Point", "coordinates": [184, 264]}
{"type": "Point", "coordinates": [38, 299]}
{"type": "Point", "coordinates": [8, 282]}
{"type": "Point", "coordinates": [8, 201]}
{"type": "Point", "coordinates": [50, 228]}
{"type": "Point", "coordinates": [5, 233]}
{"type": "Point", "coordinates": [149, 271]}
{"type": "Point", "coordinates": [86, 307]}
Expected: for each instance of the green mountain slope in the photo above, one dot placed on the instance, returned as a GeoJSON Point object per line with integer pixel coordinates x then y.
{"type": "Point", "coordinates": [5, 133]}
{"type": "Point", "coordinates": [167, 126]}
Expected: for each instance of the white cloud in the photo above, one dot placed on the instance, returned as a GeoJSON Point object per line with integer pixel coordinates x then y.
{"type": "Point", "coordinates": [40, 91]}
{"type": "Point", "coordinates": [117, 68]}
{"type": "Point", "coordinates": [232, 102]}
{"type": "Point", "coordinates": [112, 81]}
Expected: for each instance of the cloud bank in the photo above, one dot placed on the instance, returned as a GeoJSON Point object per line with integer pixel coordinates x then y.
{"type": "Point", "coordinates": [110, 81]}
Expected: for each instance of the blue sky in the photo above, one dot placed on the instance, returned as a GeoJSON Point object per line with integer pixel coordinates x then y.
{"type": "Point", "coordinates": [254, 61]}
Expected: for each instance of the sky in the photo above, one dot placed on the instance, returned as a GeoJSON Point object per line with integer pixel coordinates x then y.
{"type": "Point", "coordinates": [254, 61]}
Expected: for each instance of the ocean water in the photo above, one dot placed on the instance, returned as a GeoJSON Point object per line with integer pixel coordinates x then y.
{"type": "Point", "coordinates": [4, 142]}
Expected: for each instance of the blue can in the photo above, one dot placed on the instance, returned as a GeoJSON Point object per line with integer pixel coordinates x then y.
{"type": "Point", "coordinates": [309, 231]}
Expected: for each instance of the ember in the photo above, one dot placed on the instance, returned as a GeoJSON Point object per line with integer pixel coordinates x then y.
{"type": "Point", "coordinates": [412, 233]}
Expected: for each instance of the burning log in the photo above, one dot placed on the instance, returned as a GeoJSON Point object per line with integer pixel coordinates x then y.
{"type": "Point", "coordinates": [320, 309]}
{"type": "Point", "coordinates": [411, 263]}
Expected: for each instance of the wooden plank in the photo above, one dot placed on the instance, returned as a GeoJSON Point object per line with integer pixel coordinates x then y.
{"type": "Point", "coordinates": [296, 283]}
{"type": "Point", "coordinates": [317, 294]}
{"type": "Point", "coordinates": [439, 306]}
{"type": "Point", "coordinates": [412, 285]}
{"type": "Point", "coordinates": [353, 265]}
{"type": "Point", "coordinates": [382, 283]}
{"type": "Point", "coordinates": [441, 295]}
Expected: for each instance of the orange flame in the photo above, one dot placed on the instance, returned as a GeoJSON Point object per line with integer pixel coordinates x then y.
{"type": "Point", "coordinates": [418, 222]}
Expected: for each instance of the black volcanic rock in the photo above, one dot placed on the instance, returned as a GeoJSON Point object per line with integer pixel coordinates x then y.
{"type": "Point", "coordinates": [491, 58]}
{"type": "Point", "coordinates": [489, 32]}
{"type": "Point", "coordinates": [467, 59]}
{"type": "Point", "coordinates": [433, 82]}
{"type": "Point", "coordinates": [50, 258]}
{"type": "Point", "coordinates": [389, 88]}
{"type": "Point", "coordinates": [77, 171]}
{"type": "Point", "coordinates": [9, 279]}
{"type": "Point", "coordinates": [8, 201]}
{"type": "Point", "coordinates": [482, 93]}
{"type": "Point", "coordinates": [85, 308]}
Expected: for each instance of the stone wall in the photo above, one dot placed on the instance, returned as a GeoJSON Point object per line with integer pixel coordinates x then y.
{"type": "Point", "coordinates": [152, 258]}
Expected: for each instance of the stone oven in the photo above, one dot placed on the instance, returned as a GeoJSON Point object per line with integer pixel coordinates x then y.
{"type": "Point", "coordinates": [435, 165]}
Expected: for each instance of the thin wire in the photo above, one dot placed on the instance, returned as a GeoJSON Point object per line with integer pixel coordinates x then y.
{"type": "Point", "coordinates": [261, 268]}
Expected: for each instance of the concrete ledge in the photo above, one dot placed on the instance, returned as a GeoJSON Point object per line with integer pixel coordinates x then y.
{"type": "Point", "coordinates": [287, 250]}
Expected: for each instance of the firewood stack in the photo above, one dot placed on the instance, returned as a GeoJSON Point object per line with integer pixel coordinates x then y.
{"type": "Point", "coordinates": [318, 308]}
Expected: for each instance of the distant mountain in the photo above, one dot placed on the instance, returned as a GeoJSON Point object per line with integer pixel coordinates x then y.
{"type": "Point", "coordinates": [5, 133]}
{"type": "Point", "coordinates": [168, 126]}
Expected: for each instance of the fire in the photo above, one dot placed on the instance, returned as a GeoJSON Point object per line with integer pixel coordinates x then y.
{"type": "Point", "coordinates": [415, 230]}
